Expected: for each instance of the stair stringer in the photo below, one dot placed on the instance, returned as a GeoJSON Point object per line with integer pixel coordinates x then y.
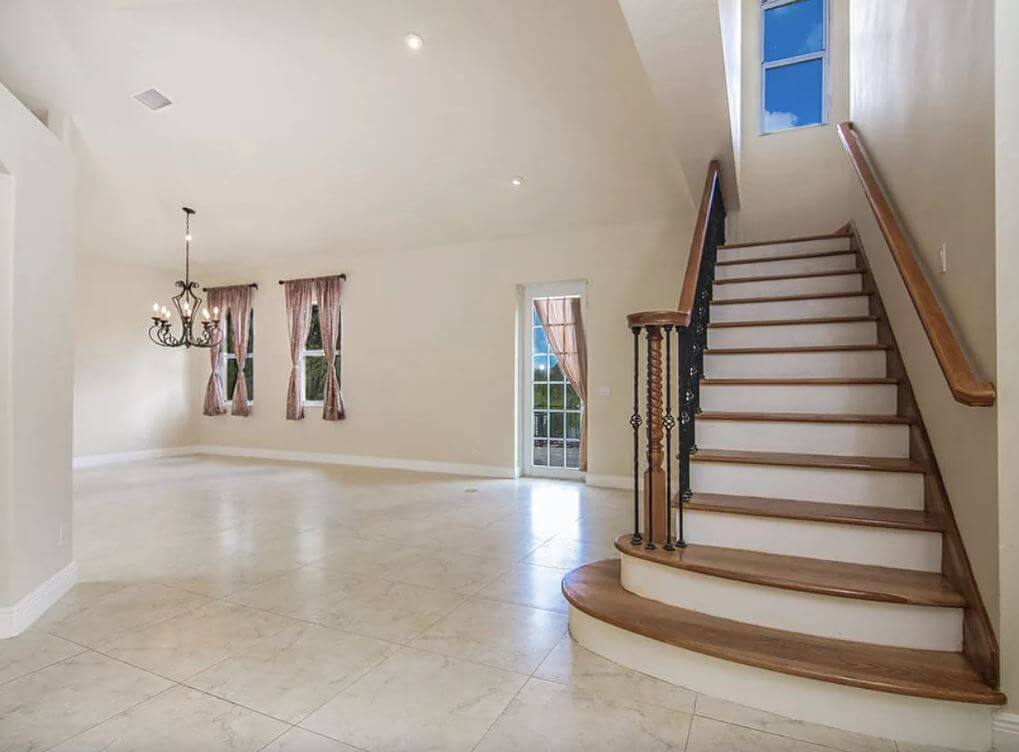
{"type": "Point", "coordinates": [980, 645]}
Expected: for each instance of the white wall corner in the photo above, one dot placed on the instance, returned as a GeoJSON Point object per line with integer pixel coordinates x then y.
{"type": "Point", "coordinates": [1005, 727]}
{"type": "Point", "coordinates": [17, 618]}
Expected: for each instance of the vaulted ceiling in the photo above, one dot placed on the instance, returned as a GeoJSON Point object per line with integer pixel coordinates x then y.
{"type": "Point", "coordinates": [308, 126]}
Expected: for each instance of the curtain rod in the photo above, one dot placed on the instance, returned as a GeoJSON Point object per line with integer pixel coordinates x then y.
{"type": "Point", "coordinates": [284, 281]}
{"type": "Point", "coordinates": [250, 284]}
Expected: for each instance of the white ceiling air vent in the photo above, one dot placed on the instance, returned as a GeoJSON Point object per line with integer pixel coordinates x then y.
{"type": "Point", "coordinates": [153, 99]}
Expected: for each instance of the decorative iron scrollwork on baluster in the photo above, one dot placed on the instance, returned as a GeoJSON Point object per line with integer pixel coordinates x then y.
{"type": "Point", "coordinates": [668, 423]}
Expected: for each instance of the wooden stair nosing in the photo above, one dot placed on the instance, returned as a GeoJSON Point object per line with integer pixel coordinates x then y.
{"type": "Point", "coordinates": [792, 459]}
{"type": "Point", "coordinates": [777, 277]}
{"type": "Point", "coordinates": [898, 420]}
{"type": "Point", "coordinates": [595, 590]}
{"type": "Point", "coordinates": [803, 349]}
{"type": "Point", "coordinates": [816, 576]}
{"type": "Point", "coordinates": [790, 257]}
{"type": "Point", "coordinates": [789, 298]}
{"type": "Point", "coordinates": [793, 322]}
{"type": "Point", "coordinates": [802, 239]}
{"type": "Point", "coordinates": [815, 511]}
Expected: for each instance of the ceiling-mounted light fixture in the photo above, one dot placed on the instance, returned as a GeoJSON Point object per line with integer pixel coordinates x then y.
{"type": "Point", "coordinates": [414, 41]}
{"type": "Point", "coordinates": [153, 99]}
{"type": "Point", "coordinates": [516, 181]}
{"type": "Point", "coordinates": [187, 304]}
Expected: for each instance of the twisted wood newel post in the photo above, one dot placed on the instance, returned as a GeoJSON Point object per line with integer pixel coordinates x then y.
{"type": "Point", "coordinates": [656, 507]}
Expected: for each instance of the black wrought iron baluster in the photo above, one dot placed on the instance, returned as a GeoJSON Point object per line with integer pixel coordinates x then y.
{"type": "Point", "coordinates": [668, 423]}
{"type": "Point", "coordinates": [649, 485]}
{"type": "Point", "coordinates": [685, 432]}
{"type": "Point", "coordinates": [636, 539]}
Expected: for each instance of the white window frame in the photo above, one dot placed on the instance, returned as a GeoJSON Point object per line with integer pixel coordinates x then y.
{"type": "Point", "coordinates": [320, 354]}
{"type": "Point", "coordinates": [223, 370]}
{"type": "Point", "coordinates": [532, 292]}
{"type": "Point", "coordinates": [822, 55]}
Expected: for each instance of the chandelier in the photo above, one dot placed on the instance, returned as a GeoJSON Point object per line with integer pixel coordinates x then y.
{"type": "Point", "coordinates": [186, 303]}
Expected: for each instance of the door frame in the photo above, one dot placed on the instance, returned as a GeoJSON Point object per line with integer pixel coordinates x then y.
{"type": "Point", "coordinates": [531, 291]}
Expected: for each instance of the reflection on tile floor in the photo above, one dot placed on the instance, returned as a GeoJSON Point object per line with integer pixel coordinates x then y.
{"type": "Point", "coordinates": [242, 606]}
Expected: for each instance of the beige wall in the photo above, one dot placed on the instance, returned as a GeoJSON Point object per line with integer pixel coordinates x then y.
{"type": "Point", "coordinates": [730, 13]}
{"type": "Point", "coordinates": [429, 370]}
{"type": "Point", "coordinates": [37, 263]}
{"type": "Point", "coordinates": [792, 182]}
{"type": "Point", "coordinates": [129, 395]}
{"type": "Point", "coordinates": [1006, 43]}
{"type": "Point", "coordinates": [923, 104]}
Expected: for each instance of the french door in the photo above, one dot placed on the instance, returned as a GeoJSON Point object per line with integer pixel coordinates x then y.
{"type": "Point", "coordinates": [552, 408]}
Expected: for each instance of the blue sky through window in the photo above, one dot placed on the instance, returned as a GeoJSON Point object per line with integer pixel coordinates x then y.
{"type": "Point", "coordinates": [793, 29]}
{"type": "Point", "coordinates": [793, 93]}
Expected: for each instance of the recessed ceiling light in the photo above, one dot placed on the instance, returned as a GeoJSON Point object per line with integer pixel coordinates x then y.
{"type": "Point", "coordinates": [516, 181]}
{"type": "Point", "coordinates": [414, 41]}
{"type": "Point", "coordinates": [153, 99]}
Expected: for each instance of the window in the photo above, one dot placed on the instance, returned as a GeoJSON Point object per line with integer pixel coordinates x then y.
{"type": "Point", "coordinates": [231, 360]}
{"type": "Point", "coordinates": [794, 68]}
{"type": "Point", "coordinates": [556, 407]}
{"type": "Point", "coordinates": [315, 359]}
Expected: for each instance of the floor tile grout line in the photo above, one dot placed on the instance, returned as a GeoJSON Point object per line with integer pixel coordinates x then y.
{"type": "Point", "coordinates": [693, 715]}
{"type": "Point", "coordinates": [501, 714]}
{"type": "Point", "coordinates": [111, 717]}
{"type": "Point", "coordinates": [759, 730]}
{"type": "Point", "coordinates": [48, 665]}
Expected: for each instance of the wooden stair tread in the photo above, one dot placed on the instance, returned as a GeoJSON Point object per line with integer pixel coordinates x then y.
{"type": "Point", "coordinates": [834, 461]}
{"type": "Point", "coordinates": [802, 275]}
{"type": "Point", "coordinates": [803, 349]}
{"type": "Point", "coordinates": [802, 239]}
{"type": "Point", "coordinates": [816, 511]}
{"type": "Point", "coordinates": [788, 257]}
{"type": "Point", "coordinates": [792, 322]}
{"type": "Point", "coordinates": [819, 576]}
{"type": "Point", "coordinates": [806, 418]}
{"type": "Point", "coordinates": [595, 590]}
{"type": "Point", "coordinates": [786, 298]}
{"type": "Point", "coordinates": [800, 382]}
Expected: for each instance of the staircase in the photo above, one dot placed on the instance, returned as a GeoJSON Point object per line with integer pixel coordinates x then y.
{"type": "Point", "coordinates": [809, 564]}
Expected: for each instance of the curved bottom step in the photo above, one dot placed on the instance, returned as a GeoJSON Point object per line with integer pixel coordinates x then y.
{"type": "Point", "coordinates": [924, 697]}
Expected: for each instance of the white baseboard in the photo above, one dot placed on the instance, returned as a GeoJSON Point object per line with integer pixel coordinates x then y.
{"type": "Point", "coordinates": [391, 463]}
{"type": "Point", "coordinates": [327, 458]}
{"type": "Point", "coordinates": [609, 481]}
{"type": "Point", "coordinates": [17, 618]}
{"type": "Point", "coordinates": [1006, 732]}
{"type": "Point", "coordinates": [94, 460]}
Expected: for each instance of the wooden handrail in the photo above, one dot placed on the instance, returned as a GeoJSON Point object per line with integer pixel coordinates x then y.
{"type": "Point", "coordinates": [688, 295]}
{"type": "Point", "coordinates": [962, 380]}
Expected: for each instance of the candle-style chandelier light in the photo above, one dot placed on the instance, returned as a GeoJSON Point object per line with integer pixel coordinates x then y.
{"type": "Point", "coordinates": [187, 304]}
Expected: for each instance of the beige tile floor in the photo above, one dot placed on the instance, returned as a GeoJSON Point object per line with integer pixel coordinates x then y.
{"type": "Point", "coordinates": [243, 606]}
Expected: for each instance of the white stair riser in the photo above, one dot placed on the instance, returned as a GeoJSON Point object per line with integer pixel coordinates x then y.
{"type": "Point", "coordinates": [811, 308]}
{"type": "Point", "coordinates": [797, 365]}
{"type": "Point", "coordinates": [874, 488]}
{"type": "Point", "coordinates": [841, 399]}
{"type": "Point", "coordinates": [788, 266]}
{"type": "Point", "coordinates": [845, 439]}
{"type": "Point", "coordinates": [783, 249]}
{"type": "Point", "coordinates": [892, 624]}
{"type": "Point", "coordinates": [917, 550]}
{"type": "Point", "coordinates": [791, 286]}
{"type": "Point", "coordinates": [794, 335]}
{"type": "Point", "coordinates": [881, 714]}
